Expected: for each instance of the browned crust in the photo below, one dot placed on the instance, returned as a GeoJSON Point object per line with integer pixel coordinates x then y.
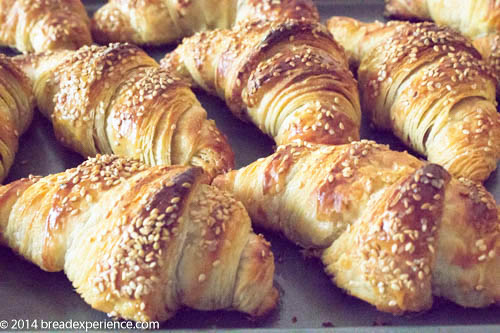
{"type": "Point", "coordinates": [17, 101]}
{"type": "Point", "coordinates": [47, 24]}
{"type": "Point", "coordinates": [117, 99]}
{"type": "Point", "coordinates": [406, 9]}
{"type": "Point", "coordinates": [304, 33]}
{"type": "Point", "coordinates": [418, 80]}
{"type": "Point", "coordinates": [247, 64]}
{"type": "Point", "coordinates": [160, 220]}
{"type": "Point", "coordinates": [112, 22]}
{"type": "Point", "coordinates": [409, 239]}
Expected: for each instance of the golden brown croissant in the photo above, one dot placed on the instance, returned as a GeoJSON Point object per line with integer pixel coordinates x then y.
{"type": "Point", "coordinates": [40, 25]}
{"type": "Point", "coordinates": [391, 229]}
{"type": "Point", "coordinates": [471, 17]}
{"type": "Point", "coordinates": [489, 47]}
{"type": "Point", "coordinates": [430, 87]}
{"type": "Point", "coordinates": [291, 79]}
{"type": "Point", "coordinates": [161, 22]}
{"type": "Point", "coordinates": [140, 243]}
{"type": "Point", "coordinates": [478, 20]}
{"type": "Point", "coordinates": [117, 100]}
{"type": "Point", "coordinates": [16, 110]}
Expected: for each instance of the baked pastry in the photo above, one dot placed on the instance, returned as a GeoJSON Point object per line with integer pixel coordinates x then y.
{"type": "Point", "coordinates": [390, 229]}
{"type": "Point", "coordinates": [454, 13]}
{"type": "Point", "coordinates": [117, 100]}
{"type": "Point", "coordinates": [140, 243]}
{"type": "Point", "coordinates": [16, 111]}
{"type": "Point", "coordinates": [489, 47]}
{"type": "Point", "coordinates": [478, 20]}
{"type": "Point", "coordinates": [162, 22]}
{"type": "Point", "coordinates": [430, 87]}
{"type": "Point", "coordinates": [41, 25]}
{"type": "Point", "coordinates": [291, 79]}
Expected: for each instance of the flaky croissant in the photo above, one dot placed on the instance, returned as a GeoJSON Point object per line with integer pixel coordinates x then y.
{"type": "Point", "coordinates": [162, 21]}
{"type": "Point", "coordinates": [471, 17]}
{"type": "Point", "coordinates": [41, 25]}
{"type": "Point", "coordinates": [117, 100]}
{"type": "Point", "coordinates": [140, 243]}
{"type": "Point", "coordinates": [391, 229]}
{"type": "Point", "coordinates": [291, 79]}
{"type": "Point", "coordinates": [16, 110]}
{"type": "Point", "coordinates": [430, 87]}
{"type": "Point", "coordinates": [489, 47]}
{"type": "Point", "coordinates": [478, 20]}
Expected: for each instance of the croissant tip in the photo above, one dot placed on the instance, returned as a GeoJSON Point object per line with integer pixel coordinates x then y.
{"type": "Point", "coordinates": [268, 305]}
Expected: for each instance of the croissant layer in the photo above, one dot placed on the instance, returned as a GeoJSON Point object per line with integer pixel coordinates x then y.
{"type": "Point", "coordinates": [290, 79]}
{"type": "Point", "coordinates": [430, 87]}
{"type": "Point", "coordinates": [117, 100]}
{"type": "Point", "coordinates": [389, 228]}
{"type": "Point", "coordinates": [16, 111]}
{"type": "Point", "coordinates": [41, 25]}
{"type": "Point", "coordinates": [162, 22]}
{"type": "Point", "coordinates": [140, 242]}
{"type": "Point", "coordinates": [478, 20]}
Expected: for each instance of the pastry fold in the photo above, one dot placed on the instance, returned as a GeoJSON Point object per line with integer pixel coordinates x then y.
{"type": "Point", "coordinates": [291, 79]}
{"type": "Point", "coordinates": [430, 87]}
{"type": "Point", "coordinates": [478, 20]}
{"type": "Point", "coordinates": [117, 100]}
{"type": "Point", "coordinates": [389, 228]}
{"type": "Point", "coordinates": [140, 242]}
{"type": "Point", "coordinates": [42, 25]}
{"type": "Point", "coordinates": [16, 111]}
{"type": "Point", "coordinates": [161, 22]}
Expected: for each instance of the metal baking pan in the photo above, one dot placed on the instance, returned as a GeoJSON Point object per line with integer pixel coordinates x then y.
{"type": "Point", "coordinates": [308, 297]}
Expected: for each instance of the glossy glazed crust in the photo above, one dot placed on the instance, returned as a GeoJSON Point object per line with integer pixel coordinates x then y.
{"type": "Point", "coordinates": [290, 79]}
{"type": "Point", "coordinates": [41, 25]}
{"type": "Point", "coordinates": [156, 22]}
{"type": "Point", "coordinates": [140, 242]}
{"type": "Point", "coordinates": [16, 111]}
{"type": "Point", "coordinates": [473, 18]}
{"type": "Point", "coordinates": [389, 228]}
{"type": "Point", "coordinates": [430, 87]}
{"type": "Point", "coordinates": [117, 100]}
{"type": "Point", "coordinates": [489, 47]}
{"type": "Point", "coordinates": [476, 19]}
{"type": "Point", "coordinates": [313, 205]}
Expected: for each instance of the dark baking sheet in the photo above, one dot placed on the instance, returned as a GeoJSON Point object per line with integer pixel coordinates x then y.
{"type": "Point", "coordinates": [308, 298]}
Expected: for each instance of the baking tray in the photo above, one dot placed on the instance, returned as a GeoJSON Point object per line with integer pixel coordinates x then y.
{"type": "Point", "coordinates": [308, 297]}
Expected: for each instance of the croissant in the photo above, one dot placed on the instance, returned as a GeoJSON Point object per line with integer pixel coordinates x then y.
{"type": "Point", "coordinates": [457, 14]}
{"type": "Point", "coordinates": [430, 87]}
{"type": "Point", "coordinates": [489, 47]}
{"type": "Point", "coordinates": [41, 25]}
{"type": "Point", "coordinates": [16, 111]}
{"type": "Point", "coordinates": [161, 22]}
{"type": "Point", "coordinates": [291, 79]}
{"type": "Point", "coordinates": [390, 229]}
{"type": "Point", "coordinates": [478, 20]}
{"type": "Point", "coordinates": [117, 100]}
{"type": "Point", "coordinates": [140, 242]}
